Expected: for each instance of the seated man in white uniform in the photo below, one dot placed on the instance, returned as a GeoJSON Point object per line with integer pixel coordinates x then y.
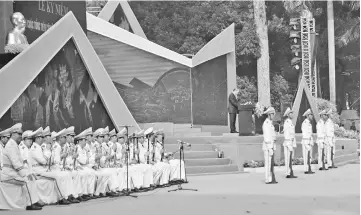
{"type": "Point", "coordinates": [135, 175]}
{"type": "Point", "coordinates": [163, 169]}
{"type": "Point", "coordinates": [113, 183]}
{"type": "Point", "coordinates": [4, 138]}
{"type": "Point", "coordinates": [48, 191]}
{"type": "Point", "coordinates": [93, 160]}
{"type": "Point", "coordinates": [143, 154]}
{"type": "Point", "coordinates": [175, 164]}
{"type": "Point", "coordinates": [41, 161]}
{"type": "Point", "coordinates": [87, 179]}
{"type": "Point", "coordinates": [14, 172]}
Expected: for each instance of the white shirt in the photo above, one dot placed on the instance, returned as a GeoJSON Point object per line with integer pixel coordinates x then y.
{"type": "Point", "coordinates": [289, 129]}
{"type": "Point", "coordinates": [330, 128]}
{"type": "Point", "coordinates": [321, 129]}
{"type": "Point", "coordinates": [306, 129]}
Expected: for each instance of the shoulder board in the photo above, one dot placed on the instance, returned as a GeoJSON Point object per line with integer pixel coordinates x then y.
{"type": "Point", "coordinates": [23, 147]}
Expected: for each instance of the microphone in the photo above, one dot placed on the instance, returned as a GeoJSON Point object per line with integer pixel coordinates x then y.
{"type": "Point", "coordinates": [187, 144]}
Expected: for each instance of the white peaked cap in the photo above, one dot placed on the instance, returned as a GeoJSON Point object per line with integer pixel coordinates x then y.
{"type": "Point", "coordinates": [288, 111]}
{"type": "Point", "coordinates": [38, 133]}
{"type": "Point", "coordinates": [112, 133]}
{"type": "Point", "coordinates": [270, 110]}
{"type": "Point", "coordinates": [61, 133]}
{"type": "Point", "coordinates": [27, 134]}
{"type": "Point", "coordinates": [83, 134]}
{"type": "Point", "coordinates": [148, 131]}
{"type": "Point", "coordinates": [308, 112]}
{"type": "Point", "coordinates": [17, 128]}
{"type": "Point", "coordinates": [46, 131]}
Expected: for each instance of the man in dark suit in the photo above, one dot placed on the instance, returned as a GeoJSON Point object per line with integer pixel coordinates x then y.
{"type": "Point", "coordinates": [233, 109]}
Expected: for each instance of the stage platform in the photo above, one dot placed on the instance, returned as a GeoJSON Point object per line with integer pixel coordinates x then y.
{"type": "Point", "coordinates": [202, 157]}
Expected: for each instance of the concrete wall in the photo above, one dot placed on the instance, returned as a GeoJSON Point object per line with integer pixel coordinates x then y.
{"type": "Point", "coordinates": [239, 152]}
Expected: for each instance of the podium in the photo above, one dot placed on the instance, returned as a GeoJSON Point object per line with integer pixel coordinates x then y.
{"type": "Point", "coordinates": [245, 121]}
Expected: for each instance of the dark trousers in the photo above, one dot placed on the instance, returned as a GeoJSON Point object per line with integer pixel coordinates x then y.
{"type": "Point", "coordinates": [232, 122]}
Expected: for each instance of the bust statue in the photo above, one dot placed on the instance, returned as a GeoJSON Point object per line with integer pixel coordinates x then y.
{"type": "Point", "coordinates": [16, 40]}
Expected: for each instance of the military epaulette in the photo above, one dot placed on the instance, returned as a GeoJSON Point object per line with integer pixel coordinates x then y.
{"type": "Point", "coordinates": [23, 147]}
{"type": "Point", "coordinates": [55, 146]}
{"type": "Point", "coordinates": [34, 146]}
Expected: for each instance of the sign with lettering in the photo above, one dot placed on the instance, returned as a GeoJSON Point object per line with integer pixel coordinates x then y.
{"type": "Point", "coordinates": [42, 14]}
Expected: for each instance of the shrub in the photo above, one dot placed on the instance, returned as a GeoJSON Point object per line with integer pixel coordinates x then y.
{"type": "Point", "coordinates": [344, 133]}
{"type": "Point", "coordinates": [260, 163]}
{"type": "Point", "coordinates": [280, 92]}
{"type": "Point", "coordinates": [248, 89]}
{"type": "Point", "coordinates": [323, 104]}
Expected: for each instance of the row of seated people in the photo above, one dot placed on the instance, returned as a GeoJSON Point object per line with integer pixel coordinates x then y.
{"type": "Point", "coordinates": [64, 168]}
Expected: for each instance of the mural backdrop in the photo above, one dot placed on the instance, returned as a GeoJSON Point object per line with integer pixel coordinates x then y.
{"type": "Point", "coordinates": [62, 95]}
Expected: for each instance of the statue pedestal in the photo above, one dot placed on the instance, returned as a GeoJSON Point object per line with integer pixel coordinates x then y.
{"type": "Point", "coordinates": [6, 10]}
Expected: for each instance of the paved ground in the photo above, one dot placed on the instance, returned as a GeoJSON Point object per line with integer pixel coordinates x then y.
{"type": "Point", "coordinates": [324, 193]}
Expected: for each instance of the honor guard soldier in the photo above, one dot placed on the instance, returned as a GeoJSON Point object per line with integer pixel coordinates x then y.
{"type": "Point", "coordinates": [321, 134]}
{"type": "Point", "coordinates": [4, 138]}
{"type": "Point", "coordinates": [289, 143]}
{"type": "Point", "coordinates": [14, 170]}
{"type": "Point", "coordinates": [269, 145]}
{"type": "Point", "coordinates": [330, 141]}
{"type": "Point", "coordinates": [307, 141]}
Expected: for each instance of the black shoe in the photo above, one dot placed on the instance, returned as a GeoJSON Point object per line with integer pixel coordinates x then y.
{"type": "Point", "coordinates": [39, 204]}
{"type": "Point", "coordinates": [95, 197]}
{"type": "Point", "coordinates": [309, 173]}
{"type": "Point", "coordinates": [85, 197]}
{"type": "Point", "coordinates": [101, 195]}
{"type": "Point", "coordinates": [321, 169]}
{"type": "Point", "coordinates": [73, 200]}
{"type": "Point", "coordinates": [272, 182]}
{"type": "Point", "coordinates": [64, 202]}
{"type": "Point", "coordinates": [288, 176]}
{"type": "Point", "coordinates": [333, 167]}
{"type": "Point", "coordinates": [80, 199]}
{"type": "Point", "coordinates": [33, 208]}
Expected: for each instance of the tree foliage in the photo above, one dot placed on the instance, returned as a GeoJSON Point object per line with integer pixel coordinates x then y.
{"type": "Point", "coordinates": [186, 26]}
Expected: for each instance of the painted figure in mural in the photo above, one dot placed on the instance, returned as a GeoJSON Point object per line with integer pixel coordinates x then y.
{"type": "Point", "coordinates": [37, 110]}
{"type": "Point", "coordinates": [20, 110]}
{"type": "Point", "coordinates": [67, 88]}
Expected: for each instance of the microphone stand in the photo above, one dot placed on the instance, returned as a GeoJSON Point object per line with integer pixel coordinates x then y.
{"type": "Point", "coordinates": [127, 155]}
{"type": "Point", "coordinates": [181, 151]}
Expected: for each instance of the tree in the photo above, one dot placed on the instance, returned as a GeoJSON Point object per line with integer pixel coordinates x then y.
{"type": "Point", "coordinates": [263, 71]}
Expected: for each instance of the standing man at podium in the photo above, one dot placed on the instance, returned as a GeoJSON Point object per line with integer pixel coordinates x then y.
{"type": "Point", "coordinates": [233, 109]}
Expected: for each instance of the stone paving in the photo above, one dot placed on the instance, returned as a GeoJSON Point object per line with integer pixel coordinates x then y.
{"type": "Point", "coordinates": [324, 193]}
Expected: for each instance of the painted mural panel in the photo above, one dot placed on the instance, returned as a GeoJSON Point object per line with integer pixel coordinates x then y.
{"type": "Point", "coordinates": [154, 89]}
{"type": "Point", "coordinates": [209, 94]}
{"type": "Point", "coordinates": [42, 14]}
{"type": "Point", "coordinates": [119, 19]}
{"type": "Point", "coordinates": [62, 95]}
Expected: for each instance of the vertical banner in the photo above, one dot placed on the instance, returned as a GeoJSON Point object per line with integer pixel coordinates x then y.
{"type": "Point", "coordinates": [41, 15]}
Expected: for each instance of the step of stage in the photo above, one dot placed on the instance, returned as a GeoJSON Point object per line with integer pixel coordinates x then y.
{"type": "Point", "coordinates": [218, 169]}
{"type": "Point", "coordinates": [230, 135]}
{"type": "Point", "coordinates": [194, 147]}
{"type": "Point", "coordinates": [198, 155]}
{"type": "Point", "coordinates": [207, 162]}
{"type": "Point", "coordinates": [191, 134]}
{"type": "Point", "coordinates": [345, 158]}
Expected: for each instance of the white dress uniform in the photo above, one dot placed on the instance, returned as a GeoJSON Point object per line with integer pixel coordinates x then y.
{"type": "Point", "coordinates": [290, 141]}
{"type": "Point", "coordinates": [330, 141]}
{"type": "Point", "coordinates": [321, 134]}
{"type": "Point", "coordinates": [15, 171]}
{"type": "Point", "coordinates": [148, 172]}
{"type": "Point", "coordinates": [40, 165]}
{"type": "Point", "coordinates": [47, 189]}
{"type": "Point", "coordinates": [164, 166]}
{"type": "Point", "coordinates": [122, 171]}
{"type": "Point", "coordinates": [4, 133]}
{"type": "Point", "coordinates": [307, 140]}
{"type": "Point", "coordinates": [269, 146]}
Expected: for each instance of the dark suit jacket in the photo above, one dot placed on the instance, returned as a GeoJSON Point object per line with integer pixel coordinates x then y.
{"type": "Point", "coordinates": [232, 104]}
